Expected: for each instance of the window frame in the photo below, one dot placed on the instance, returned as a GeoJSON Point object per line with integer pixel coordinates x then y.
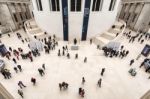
{"type": "Point", "coordinates": [95, 5]}
{"type": "Point", "coordinates": [76, 6]}
{"type": "Point", "coordinates": [112, 5]}
{"type": "Point", "coordinates": [39, 5]}
{"type": "Point", "coordinates": [57, 6]}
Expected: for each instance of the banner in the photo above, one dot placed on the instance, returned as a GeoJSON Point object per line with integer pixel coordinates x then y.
{"type": "Point", "coordinates": [86, 19]}
{"type": "Point", "coordinates": [65, 19]}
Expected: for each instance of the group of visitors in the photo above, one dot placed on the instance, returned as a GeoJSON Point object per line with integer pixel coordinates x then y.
{"type": "Point", "coordinates": [110, 52]}
{"type": "Point", "coordinates": [63, 86]}
{"type": "Point", "coordinates": [50, 44]}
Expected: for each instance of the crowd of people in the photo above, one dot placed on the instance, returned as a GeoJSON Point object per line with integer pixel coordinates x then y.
{"type": "Point", "coordinates": [110, 52]}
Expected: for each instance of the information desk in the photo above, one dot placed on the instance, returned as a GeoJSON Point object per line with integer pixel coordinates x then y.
{"type": "Point", "coordinates": [74, 47]}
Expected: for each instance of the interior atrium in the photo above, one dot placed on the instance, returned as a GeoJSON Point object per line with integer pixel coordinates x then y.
{"type": "Point", "coordinates": [74, 49]}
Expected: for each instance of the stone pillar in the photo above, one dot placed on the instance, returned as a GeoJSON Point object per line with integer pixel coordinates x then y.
{"type": "Point", "coordinates": [27, 11]}
{"type": "Point", "coordinates": [11, 13]}
{"type": "Point", "coordinates": [131, 12]}
{"type": "Point", "coordinates": [137, 12]}
{"type": "Point", "coordinates": [122, 11]}
{"type": "Point", "coordinates": [127, 14]}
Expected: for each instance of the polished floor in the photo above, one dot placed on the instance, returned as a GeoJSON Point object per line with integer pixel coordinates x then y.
{"type": "Point", "coordinates": [117, 83]}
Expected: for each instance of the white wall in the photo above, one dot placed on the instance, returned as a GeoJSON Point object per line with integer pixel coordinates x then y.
{"type": "Point", "coordinates": [52, 21]}
{"type": "Point", "coordinates": [75, 22]}
{"type": "Point", "coordinates": [103, 20]}
{"type": "Point", "coordinates": [48, 21]}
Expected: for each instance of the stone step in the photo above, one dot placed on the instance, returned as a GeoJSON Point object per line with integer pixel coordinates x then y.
{"type": "Point", "coordinates": [101, 41]}
{"type": "Point", "coordinates": [115, 31]}
{"type": "Point", "coordinates": [108, 35]}
{"type": "Point", "coordinates": [34, 29]}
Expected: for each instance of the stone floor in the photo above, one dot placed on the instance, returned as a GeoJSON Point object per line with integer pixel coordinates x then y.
{"type": "Point", "coordinates": [116, 82]}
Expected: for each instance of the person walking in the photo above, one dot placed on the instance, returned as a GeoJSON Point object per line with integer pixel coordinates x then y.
{"type": "Point", "coordinates": [20, 92]}
{"type": "Point", "coordinates": [21, 85]}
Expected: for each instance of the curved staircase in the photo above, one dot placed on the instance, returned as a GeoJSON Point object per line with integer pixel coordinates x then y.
{"type": "Point", "coordinates": [110, 35]}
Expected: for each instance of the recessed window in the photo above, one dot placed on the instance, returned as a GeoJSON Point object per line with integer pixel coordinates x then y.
{"type": "Point", "coordinates": [26, 15]}
{"type": "Point", "coordinates": [112, 5]}
{"type": "Point", "coordinates": [15, 17]}
{"type": "Point", "coordinates": [21, 16]}
{"type": "Point", "coordinates": [39, 5]}
{"type": "Point", "coordinates": [75, 5]}
{"type": "Point", "coordinates": [128, 16]}
{"type": "Point", "coordinates": [97, 5]}
{"type": "Point", "coordinates": [135, 15]}
{"type": "Point", "coordinates": [54, 5]}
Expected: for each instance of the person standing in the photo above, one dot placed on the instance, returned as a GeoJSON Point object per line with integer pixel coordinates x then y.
{"type": "Point", "coordinates": [14, 60]}
{"type": "Point", "coordinates": [131, 62]}
{"type": "Point", "coordinates": [4, 73]}
{"type": "Point", "coordinates": [16, 70]}
{"type": "Point", "coordinates": [90, 41]}
{"type": "Point", "coordinates": [43, 66]}
{"type": "Point", "coordinates": [83, 80]}
{"type": "Point", "coordinates": [80, 89]}
{"type": "Point", "coordinates": [142, 41]}
{"type": "Point", "coordinates": [8, 35]}
{"type": "Point", "coordinates": [60, 86]}
{"type": "Point", "coordinates": [10, 49]}
{"type": "Point", "coordinates": [19, 67]}
{"type": "Point", "coordinates": [85, 59]}
{"type": "Point", "coordinates": [63, 53]}
{"type": "Point", "coordinates": [102, 72]}
{"type": "Point", "coordinates": [41, 72]}
{"type": "Point", "coordinates": [68, 55]}
{"type": "Point", "coordinates": [99, 82]}
{"type": "Point", "coordinates": [21, 85]}
{"type": "Point", "coordinates": [76, 56]}
{"type": "Point", "coordinates": [33, 80]}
